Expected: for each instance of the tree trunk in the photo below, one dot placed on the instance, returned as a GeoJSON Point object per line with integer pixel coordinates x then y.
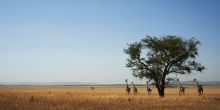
{"type": "Point", "coordinates": [161, 92]}
{"type": "Point", "coordinates": [161, 87]}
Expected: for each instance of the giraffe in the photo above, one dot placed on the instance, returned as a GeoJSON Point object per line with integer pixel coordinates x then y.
{"type": "Point", "coordinates": [134, 88]}
{"type": "Point", "coordinates": [33, 99]}
{"type": "Point", "coordinates": [181, 88]}
{"type": "Point", "coordinates": [199, 87]}
{"type": "Point", "coordinates": [92, 88]}
{"type": "Point", "coordinates": [128, 89]}
{"type": "Point", "coordinates": [148, 89]}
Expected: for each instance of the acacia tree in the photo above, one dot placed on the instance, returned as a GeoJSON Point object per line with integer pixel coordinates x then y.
{"type": "Point", "coordinates": [155, 58]}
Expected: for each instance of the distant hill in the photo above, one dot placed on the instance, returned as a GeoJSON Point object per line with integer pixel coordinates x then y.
{"type": "Point", "coordinates": [47, 83]}
{"type": "Point", "coordinates": [76, 83]}
{"type": "Point", "coordinates": [208, 83]}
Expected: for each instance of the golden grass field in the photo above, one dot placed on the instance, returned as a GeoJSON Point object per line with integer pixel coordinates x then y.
{"type": "Point", "coordinates": [104, 98]}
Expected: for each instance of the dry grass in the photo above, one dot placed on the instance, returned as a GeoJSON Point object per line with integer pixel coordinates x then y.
{"type": "Point", "coordinates": [101, 98]}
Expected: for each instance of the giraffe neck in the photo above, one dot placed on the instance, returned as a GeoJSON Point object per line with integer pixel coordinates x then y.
{"type": "Point", "coordinates": [179, 84]}
{"type": "Point", "coordinates": [133, 86]}
{"type": "Point", "coordinates": [197, 84]}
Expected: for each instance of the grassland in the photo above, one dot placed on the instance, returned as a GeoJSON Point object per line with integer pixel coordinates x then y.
{"type": "Point", "coordinates": [104, 98]}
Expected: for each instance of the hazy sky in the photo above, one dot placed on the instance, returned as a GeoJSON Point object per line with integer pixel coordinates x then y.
{"type": "Point", "coordinates": [83, 40]}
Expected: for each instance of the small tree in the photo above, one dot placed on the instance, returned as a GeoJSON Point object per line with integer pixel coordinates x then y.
{"type": "Point", "coordinates": [155, 58]}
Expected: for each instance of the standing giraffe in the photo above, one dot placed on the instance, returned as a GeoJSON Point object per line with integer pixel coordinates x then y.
{"type": "Point", "coordinates": [199, 87]}
{"type": "Point", "coordinates": [181, 88]}
{"type": "Point", "coordinates": [128, 89]}
{"type": "Point", "coordinates": [148, 89]}
{"type": "Point", "coordinates": [134, 88]}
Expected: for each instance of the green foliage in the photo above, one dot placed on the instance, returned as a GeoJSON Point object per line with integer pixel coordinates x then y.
{"type": "Point", "coordinates": [155, 58]}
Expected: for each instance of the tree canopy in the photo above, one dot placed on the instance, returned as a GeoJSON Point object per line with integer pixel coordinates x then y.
{"type": "Point", "coordinates": [156, 57]}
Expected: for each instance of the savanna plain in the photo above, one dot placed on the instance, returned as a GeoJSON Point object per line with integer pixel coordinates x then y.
{"type": "Point", "coordinates": [105, 98]}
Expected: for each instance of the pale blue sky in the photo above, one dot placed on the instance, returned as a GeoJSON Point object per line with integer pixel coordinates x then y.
{"type": "Point", "coordinates": [83, 40]}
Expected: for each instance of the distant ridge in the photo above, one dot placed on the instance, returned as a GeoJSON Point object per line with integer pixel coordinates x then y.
{"type": "Point", "coordinates": [47, 83]}
{"type": "Point", "coordinates": [208, 83]}
{"type": "Point", "coordinates": [76, 83]}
